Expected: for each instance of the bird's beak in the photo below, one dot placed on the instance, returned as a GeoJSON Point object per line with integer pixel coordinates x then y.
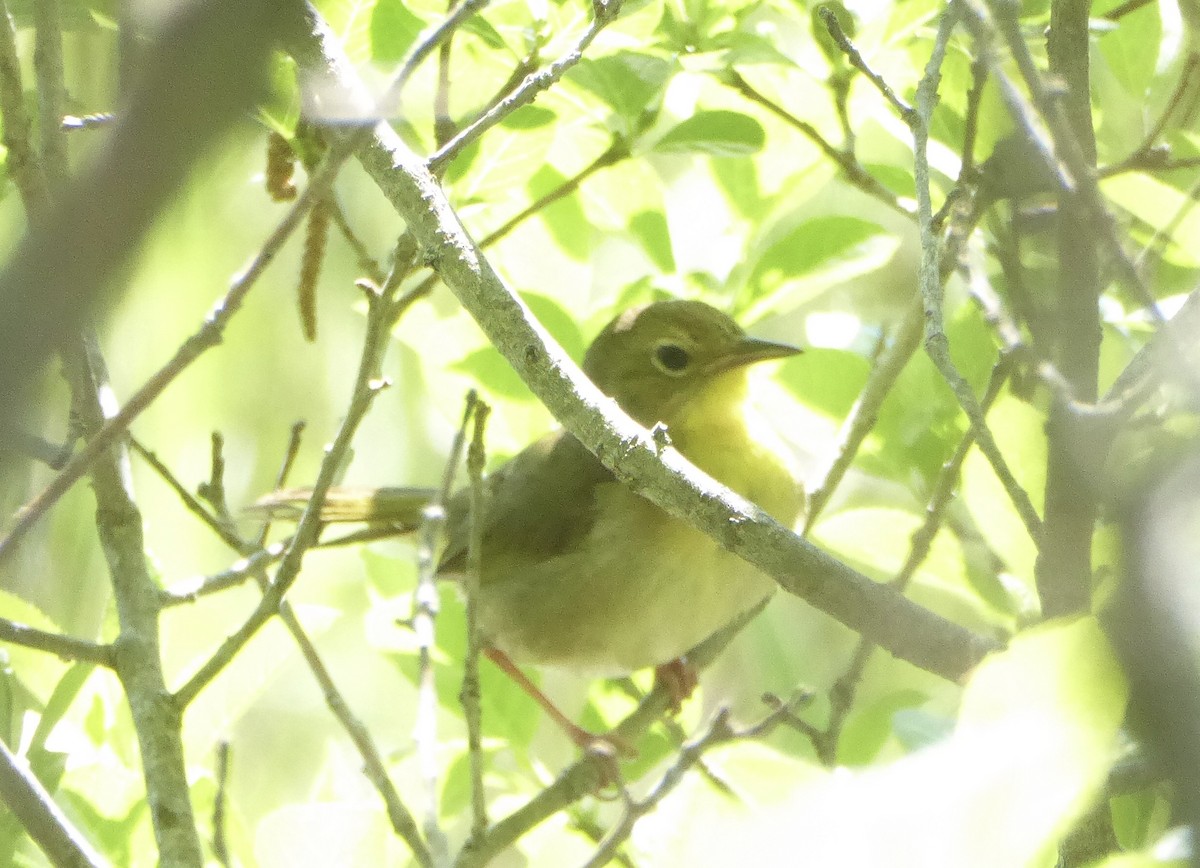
{"type": "Point", "coordinates": [749, 351]}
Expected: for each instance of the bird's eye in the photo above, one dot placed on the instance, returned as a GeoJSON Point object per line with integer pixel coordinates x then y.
{"type": "Point", "coordinates": [671, 359]}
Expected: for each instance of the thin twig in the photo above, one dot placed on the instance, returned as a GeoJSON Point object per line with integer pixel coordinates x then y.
{"type": "Point", "coordinates": [844, 690]}
{"type": "Point", "coordinates": [219, 845]}
{"type": "Point", "coordinates": [191, 590]}
{"type": "Point", "coordinates": [435, 38]}
{"type": "Point", "coordinates": [137, 650]}
{"type": "Point", "coordinates": [583, 776]}
{"type": "Point", "coordinates": [528, 90]}
{"type": "Point", "coordinates": [443, 120]}
{"type": "Point", "coordinates": [368, 383]}
{"type": "Point", "coordinates": [839, 36]}
{"type": "Point", "coordinates": [214, 489]}
{"type": "Point", "coordinates": [66, 647]}
{"type": "Point", "coordinates": [425, 610]}
{"type": "Point", "coordinates": [614, 154]}
{"type": "Point", "coordinates": [472, 712]}
{"type": "Point", "coordinates": [720, 731]}
{"type": "Point", "coordinates": [855, 173]}
{"type": "Point", "coordinates": [222, 529]}
{"type": "Point", "coordinates": [52, 91]}
{"type": "Point", "coordinates": [47, 825]}
{"type": "Point", "coordinates": [366, 262]}
{"type": "Point", "coordinates": [865, 413]}
{"type": "Point", "coordinates": [929, 275]}
{"type": "Point", "coordinates": [23, 165]}
{"type": "Point", "coordinates": [205, 338]}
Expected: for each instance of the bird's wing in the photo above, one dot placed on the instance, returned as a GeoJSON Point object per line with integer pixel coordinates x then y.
{"type": "Point", "coordinates": [539, 504]}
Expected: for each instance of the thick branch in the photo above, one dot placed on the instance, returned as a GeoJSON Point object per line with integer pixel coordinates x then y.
{"type": "Point", "coordinates": [1064, 567]}
{"type": "Point", "coordinates": [663, 476]}
{"type": "Point", "coordinates": [137, 655]}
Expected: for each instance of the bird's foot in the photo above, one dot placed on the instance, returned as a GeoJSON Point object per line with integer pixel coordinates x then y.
{"type": "Point", "coordinates": [679, 678]}
{"type": "Point", "coordinates": [589, 742]}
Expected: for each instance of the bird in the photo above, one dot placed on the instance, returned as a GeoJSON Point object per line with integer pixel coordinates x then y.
{"type": "Point", "coordinates": [579, 571]}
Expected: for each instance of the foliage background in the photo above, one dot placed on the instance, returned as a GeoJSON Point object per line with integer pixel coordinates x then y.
{"type": "Point", "coordinates": [710, 195]}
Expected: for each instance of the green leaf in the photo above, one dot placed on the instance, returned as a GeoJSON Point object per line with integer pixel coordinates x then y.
{"type": "Point", "coordinates": [60, 701]}
{"type": "Point", "coordinates": [530, 117]}
{"type": "Point", "coordinates": [628, 82]}
{"type": "Point", "coordinates": [1131, 49]}
{"type": "Point", "coordinates": [1161, 206]}
{"type": "Point", "coordinates": [394, 28]}
{"type": "Point", "coordinates": [794, 265]}
{"type": "Point", "coordinates": [1019, 430]}
{"type": "Point", "coordinates": [870, 725]}
{"type": "Point", "coordinates": [479, 26]}
{"type": "Point", "coordinates": [564, 217]}
{"type": "Point", "coordinates": [651, 230]}
{"type": "Point", "coordinates": [816, 241]}
{"type": "Point", "coordinates": [827, 380]}
{"type": "Point", "coordinates": [493, 372]}
{"type": "Point", "coordinates": [718, 133]}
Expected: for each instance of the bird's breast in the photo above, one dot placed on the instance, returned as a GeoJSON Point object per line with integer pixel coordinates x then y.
{"type": "Point", "coordinates": [641, 588]}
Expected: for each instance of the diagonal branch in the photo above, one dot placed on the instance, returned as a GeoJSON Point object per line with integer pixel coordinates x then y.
{"type": "Point", "coordinates": [662, 476]}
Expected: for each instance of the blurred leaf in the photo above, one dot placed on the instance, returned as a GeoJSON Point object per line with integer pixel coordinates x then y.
{"type": "Point", "coordinates": [60, 701]}
{"type": "Point", "coordinates": [461, 165]}
{"type": "Point", "coordinates": [1131, 49]}
{"type": "Point", "coordinates": [630, 83]}
{"type": "Point", "coordinates": [1020, 428]}
{"type": "Point", "coordinates": [530, 117]}
{"type": "Point", "coordinates": [564, 217]}
{"type": "Point", "coordinates": [870, 725]}
{"type": "Point", "coordinates": [651, 229]}
{"type": "Point", "coordinates": [8, 701]}
{"type": "Point", "coordinates": [1161, 206]}
{"type": "Point", "coordinates": [493, 372]}
{"type": "Point", "coordinates": [739, 180]}
{"type": "Point", "coordinates": [323, 833]}
{"type": "Point", "coordinates": [828, 380]}
{"type": "Point", "coordinates": [394, 28]}
{"type": "Point", "coordinates": [47, 766]}
{"type": "Point", "coordinates": [1139, 818]}
{"type": "Point", "coordinates": [715, 133]}
{"type": "Point", "coordinates": [917, 728]}
{"type": "Point", "coordinates": [815, 241]}
{"type": "Point", "coordinates": [999, 791]}
{"type": "Point", "coordinates": [113, 835]}
{"type": "Point", "coordinates": [477, 25]}
{"type": "Point", "coordinates": [95, 721]}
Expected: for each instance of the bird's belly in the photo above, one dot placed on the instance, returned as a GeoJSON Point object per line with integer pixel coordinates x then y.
{"type": "Point", "coordinates": [641, 589]}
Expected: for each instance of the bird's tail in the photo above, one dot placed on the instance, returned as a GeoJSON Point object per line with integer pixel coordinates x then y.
{"type": "Point", "coordinates": [404, 508]}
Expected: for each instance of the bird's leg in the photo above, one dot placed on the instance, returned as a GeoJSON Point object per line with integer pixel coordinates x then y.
{"type": "Point", "coordinates": [679, 678]}
{"type": "Point", "coordinates": [585, 740]}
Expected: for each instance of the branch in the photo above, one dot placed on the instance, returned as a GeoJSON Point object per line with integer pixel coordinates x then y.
{"type": "Point", "coordinates": [586, 774]}
{"type": "Point", "coordinates": [23, 794]}
{"type": "Point", "coordinates": [865, 413]}
{"type": "Point", "coordinates": [199, 79]}
{"type": "Point", "coordinates": [23, 165]}
{"type": "Point", "coordinates": [66, 647]}
{"type": "Point", "coordinates": [137, 651]}
{"type": "Point", "coordinates": [843, 692]}
{"type": "Point", "coordinates": [606, 12]}
{"type": "Point", "coordinates": [664, 477]}
{"type": "Point", "coordinates": [209, 335]}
